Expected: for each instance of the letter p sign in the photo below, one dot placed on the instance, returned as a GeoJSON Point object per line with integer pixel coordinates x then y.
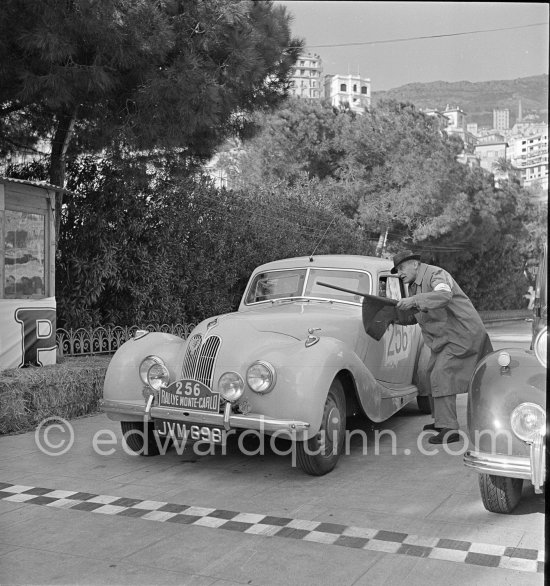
{"type": "Point", "coordinates": [38, 333]}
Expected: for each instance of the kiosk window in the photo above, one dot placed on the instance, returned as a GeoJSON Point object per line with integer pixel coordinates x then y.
{"type": "Point", "coordinates": [24, 262]}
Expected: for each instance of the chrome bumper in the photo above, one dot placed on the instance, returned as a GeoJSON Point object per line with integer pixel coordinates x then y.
{"type": "Point", "coordinates": [227, 419]}
{"type": "Point", "coordinates": [532, 468]}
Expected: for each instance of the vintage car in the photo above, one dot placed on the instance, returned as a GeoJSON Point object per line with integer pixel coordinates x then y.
{"type": "Point", "coordinates": [293, 361]}
{"type": "Point", "coordinates": [507, 414]}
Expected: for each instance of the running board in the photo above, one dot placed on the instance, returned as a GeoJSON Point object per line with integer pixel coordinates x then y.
{"type": "Point", "coordinates": [388, 392]}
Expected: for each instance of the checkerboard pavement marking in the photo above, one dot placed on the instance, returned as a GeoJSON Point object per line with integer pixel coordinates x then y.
{"type": "Point", "coordinates": [479, 554]}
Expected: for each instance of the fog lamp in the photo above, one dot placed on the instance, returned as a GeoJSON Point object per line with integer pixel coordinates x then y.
{"type": "Point", "coordinates": [261, 377]}
{"type": "Point", "coordinates": [231, 386]}
{"type": "Point", "coordinates": [527, 421]}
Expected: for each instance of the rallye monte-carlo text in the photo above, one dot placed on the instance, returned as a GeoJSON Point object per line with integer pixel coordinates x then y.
{"type": "Point", "coordinates": [293, 361]}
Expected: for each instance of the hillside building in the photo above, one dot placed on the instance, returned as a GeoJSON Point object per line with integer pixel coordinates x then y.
{"type": "Point", "coordinates": [529, 154]}
{"type": "Point", "coordinates": [490, 152]}
{"type": "Point", "coordinates": [441, 120]}
{"type": "Point", "coordinates": [307, 78]}
{"type": "Point", "coordinates": [501, 119]}
{"type": "Point", "coordinates": [351, 90]}
{"type": "Point", "coordinates": [457, 126]}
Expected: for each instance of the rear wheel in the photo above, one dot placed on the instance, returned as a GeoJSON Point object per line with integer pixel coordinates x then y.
{"type": "Point", "coordinates": [423, 402]}
{"type": "Point", "coordinates": [500, 494]}
{"type": "Point", "coordinates": [319, 455]}
{"type": "Point", "coordinates": [139, 437]}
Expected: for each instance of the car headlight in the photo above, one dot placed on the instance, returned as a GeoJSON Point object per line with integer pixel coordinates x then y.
{"type": "Point", "coordinates": [231, 386]}
{"type": "Point", "coordinates": [154, 373]}
{"type": "Point", "coordinates": [540, 346]}
{"type": "Point", "coordinates": [528, 420]}
{"type": "Point", "coordinates": [260, 377]}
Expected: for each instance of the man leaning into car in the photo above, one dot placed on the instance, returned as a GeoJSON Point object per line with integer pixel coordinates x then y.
{"type": "Point", "coordinates": [453, 331]}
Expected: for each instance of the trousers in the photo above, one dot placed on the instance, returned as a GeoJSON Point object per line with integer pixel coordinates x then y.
{"type": "Point", "coordinates": [444, 411]}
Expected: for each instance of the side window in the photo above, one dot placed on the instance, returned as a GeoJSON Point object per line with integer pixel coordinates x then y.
{"type": "Point", "coordinates": [390, 287]}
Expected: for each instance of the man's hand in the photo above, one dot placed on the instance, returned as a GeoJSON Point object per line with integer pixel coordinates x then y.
{"type": "Point", "coordinates": [407, 303]}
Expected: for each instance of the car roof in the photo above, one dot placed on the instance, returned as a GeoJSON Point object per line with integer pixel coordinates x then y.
{"type": "Point", "coordinates": [336, 261]}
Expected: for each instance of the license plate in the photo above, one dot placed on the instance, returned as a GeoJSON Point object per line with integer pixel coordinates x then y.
{"type": "Point", "coordinates": [190, 432]}
{"type": "Point", "coordinates": [189, 395]}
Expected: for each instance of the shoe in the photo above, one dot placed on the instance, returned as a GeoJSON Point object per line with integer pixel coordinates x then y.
{"type": "Point", "coordinates": [431, 427]}
{"type": "Point", "coordinates": [445, 436]}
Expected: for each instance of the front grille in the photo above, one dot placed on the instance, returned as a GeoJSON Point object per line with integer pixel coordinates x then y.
{"type": "Point", "coordinates": [200, 357]}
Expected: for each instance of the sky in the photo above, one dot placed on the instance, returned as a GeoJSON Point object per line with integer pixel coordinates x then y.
{"type": "Point", "coordinates": [389, 63]}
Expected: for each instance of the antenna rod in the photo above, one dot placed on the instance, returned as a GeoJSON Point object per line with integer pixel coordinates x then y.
{"type": "Point", "coordinates": [321, 239]}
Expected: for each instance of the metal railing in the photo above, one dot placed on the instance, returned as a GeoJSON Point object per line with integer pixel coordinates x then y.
{"type": "Point", "coordinates": [108, 339]}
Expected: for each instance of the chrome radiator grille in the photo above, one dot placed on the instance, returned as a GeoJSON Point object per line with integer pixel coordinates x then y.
{"type": "Point", "coordinates": [199, 359]}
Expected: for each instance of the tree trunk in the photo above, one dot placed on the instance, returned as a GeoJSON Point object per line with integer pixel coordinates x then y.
{"type": "Point", "coordinates": [60, 144]}
{"type": "Point", "coordinates": [381, 246]}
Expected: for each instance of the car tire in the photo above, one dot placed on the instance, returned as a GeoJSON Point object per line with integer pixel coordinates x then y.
{"type": "Point", "coordinates": [319, 455]}
{"type": "Point", "coordinates": [500, 494]}
{"type": "Point", "coordinates": [424, 405]}
{"type": "Point", "coordinates": [139, 438]}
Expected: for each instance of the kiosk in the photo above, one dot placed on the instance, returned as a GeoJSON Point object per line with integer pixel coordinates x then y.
{"type": "Point", "coordinates": [27, 273]}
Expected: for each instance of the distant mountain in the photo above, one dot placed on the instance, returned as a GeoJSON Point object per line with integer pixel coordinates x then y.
{"type": "Point", "coordinates": [477, 99]}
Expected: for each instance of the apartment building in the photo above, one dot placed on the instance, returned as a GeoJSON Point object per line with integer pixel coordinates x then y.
{"type": "Point", "coordinates": [307, 77]}
{"type": "Point", "coordinates": [348, 90]}
{"type": "Point", "coordinates": [529, 154]}
{"type": "Point", "coordinates": [501, 119]}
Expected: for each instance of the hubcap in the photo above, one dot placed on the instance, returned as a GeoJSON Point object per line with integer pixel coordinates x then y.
{"type": "Point", "coordinates": [333, 421]}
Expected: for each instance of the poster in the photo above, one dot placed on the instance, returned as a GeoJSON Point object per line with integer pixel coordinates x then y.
{"type": "Point", "coordinates": [27, 332]}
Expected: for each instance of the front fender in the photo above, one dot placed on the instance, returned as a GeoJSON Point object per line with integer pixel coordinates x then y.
{"type": "Point", "coordinates": [122, 380]}
{"type": "Point", "coordinates": [493, 394]}
{"type": "Point", "coordinates": [304, 376]}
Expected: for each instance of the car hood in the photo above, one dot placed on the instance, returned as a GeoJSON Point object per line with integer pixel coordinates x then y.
{"type": "Point", "coordinates": [292, 319]}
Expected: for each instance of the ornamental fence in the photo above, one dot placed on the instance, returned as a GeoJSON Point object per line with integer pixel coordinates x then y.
{"type": "Point", "coordinates": [107, 339]}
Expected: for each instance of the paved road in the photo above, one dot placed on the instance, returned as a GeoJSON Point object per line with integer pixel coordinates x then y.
{"type": "Point", "coordinates": [396, 510]}
{"type": "Point", "coordinates": [506, 333]}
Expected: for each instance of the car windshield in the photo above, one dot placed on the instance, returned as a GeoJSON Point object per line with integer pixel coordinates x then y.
{"type": "Point", "coordinates": [305, 284]}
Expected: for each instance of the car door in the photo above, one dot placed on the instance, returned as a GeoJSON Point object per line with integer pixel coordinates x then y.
{"type": "Point", "coordinates": [392, 358]}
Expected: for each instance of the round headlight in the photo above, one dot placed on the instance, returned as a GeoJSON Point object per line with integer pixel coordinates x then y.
{"type": "Point", "coordinates": [146, 364]}
{"type": "Point", "coordinates": [231, 386]}
{"type": "Point", "coordinates": [528, 420]}
{"type": "Point", "coordinates": [261, 377]}
{"type": "Point", "coordinates": [158, 376]}
{"type": "Point", "coordinates": [541, 345]}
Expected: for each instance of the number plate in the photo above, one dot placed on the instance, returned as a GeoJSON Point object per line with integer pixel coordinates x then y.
{"type": "Point", "coordinates": [190, 432]}
{"type": "Point", "coordinates": [190, 395]}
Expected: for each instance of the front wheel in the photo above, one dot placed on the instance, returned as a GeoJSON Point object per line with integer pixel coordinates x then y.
{"type": "Point", "coordinates": [500, 494]}
{"type": "Point", "coordinates": [319, 455]}
{"type": "Point", "coordinates": [139, 437]}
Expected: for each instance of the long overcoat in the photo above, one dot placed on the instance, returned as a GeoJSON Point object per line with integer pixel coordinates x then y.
{"type": "Point", "coordinates": [451, 328]}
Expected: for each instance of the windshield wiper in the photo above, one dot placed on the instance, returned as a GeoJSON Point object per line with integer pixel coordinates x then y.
{"type": "Point", "coordinates": [289, 299]}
